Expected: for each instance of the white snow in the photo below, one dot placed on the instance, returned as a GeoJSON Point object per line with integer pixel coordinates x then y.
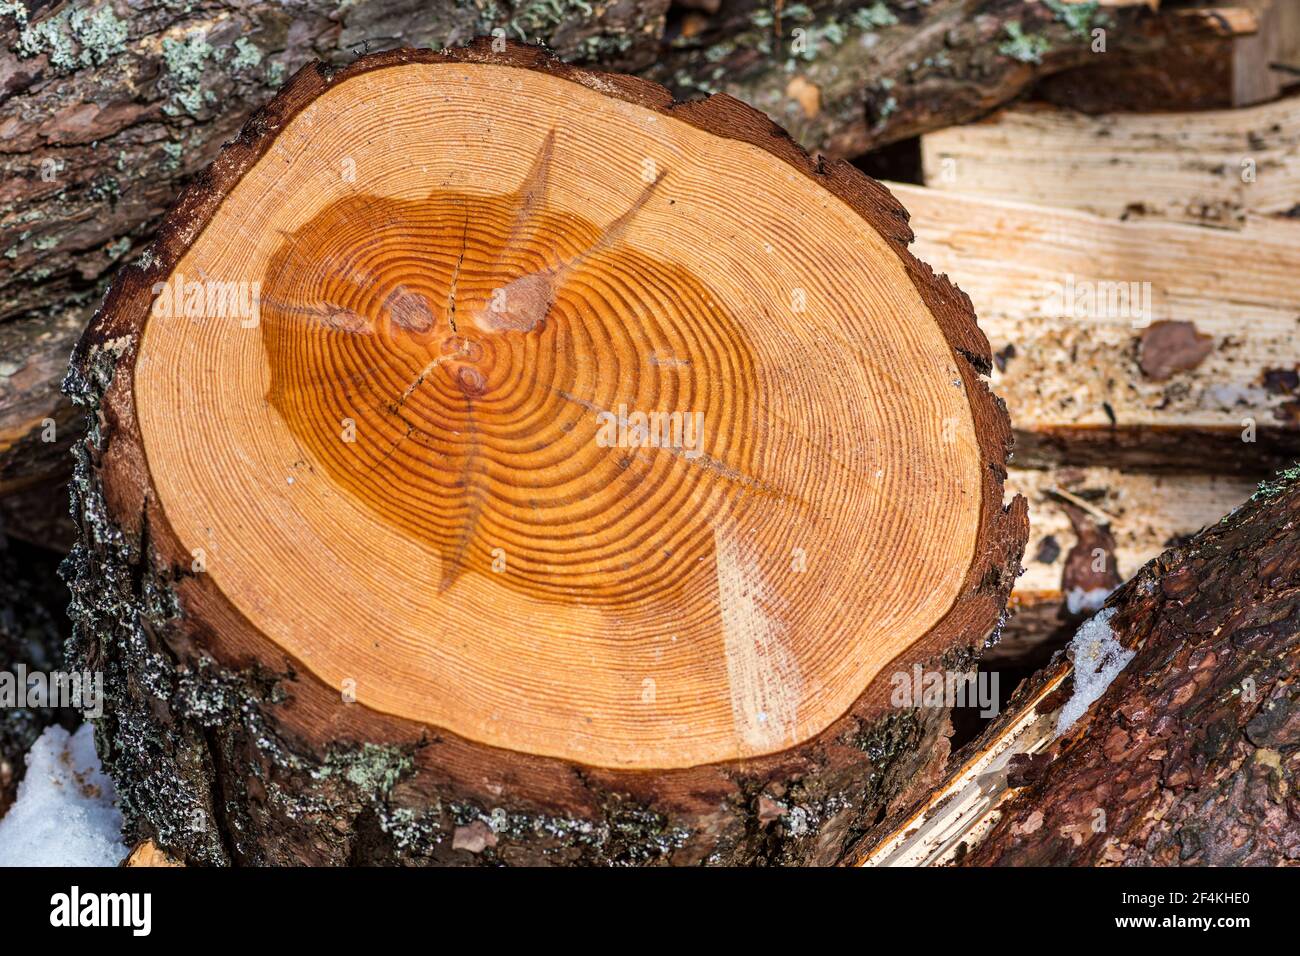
{"type": "Point", "coordinates": [66, 812]}
{"type": "Point", "coordinates": [1079, 601]}
{"type": "Point", "coordinates": [1098, 659]}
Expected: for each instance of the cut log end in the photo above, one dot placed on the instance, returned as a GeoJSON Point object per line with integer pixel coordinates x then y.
{"type": "Point", "coordinates": [532, 448]}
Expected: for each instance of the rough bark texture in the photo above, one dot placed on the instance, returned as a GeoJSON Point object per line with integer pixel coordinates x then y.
{"type": "Point", "coordinates": [887, 71]}
{"type": "Point", "coordinates": [226, 751]}
{"type": "Point", "coordinates": [1206, 61]}
{"type": "Point", "coordinates": [1192, 756]}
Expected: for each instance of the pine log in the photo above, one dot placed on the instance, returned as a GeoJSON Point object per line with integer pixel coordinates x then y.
{"type": "Point", "coordinates": [1211, 168]}
{"type": "Point", "coordinates": [1092, 529]}
{"type": "Point", "coordinates": [1130, 345]}
{"type": "Point", "coordinates": [1192, 755]}
{"type": "Point", "coordinates": [37, 426]}
{"type": "Point", "coordinates": [887, 71]}
{"type": "Point", "coordinates": [1189, 757]}
{"type": "Point", "coordinates": [368, 579]}
{"type": "Point", "coordinates": [1213, 55]}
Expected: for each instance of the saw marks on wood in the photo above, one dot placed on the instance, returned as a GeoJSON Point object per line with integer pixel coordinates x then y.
{"type": "Point", "coordinates": [570, 434]}
{"type": "Point", "coordinates": [1210, 168]}
{"type": "Point", "coordinates": [1126, 327]}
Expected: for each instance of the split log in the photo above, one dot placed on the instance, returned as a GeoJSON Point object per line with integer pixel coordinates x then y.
{"type": "Point", "coordinates": [384, 576]}
{"type": "Point", "coordinates": [1093, 528]}
{"type": "Point", "coordinates": [1129, 344]}
{"type": "Point", "coordinates": [1211, 168]}
{"type": "Point", "coordinates": [1213, 55]}
{"type": "Point", "coordinates": [1188, 757]}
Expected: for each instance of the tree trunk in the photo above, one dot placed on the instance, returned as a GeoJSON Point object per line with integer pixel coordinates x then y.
{"type": "Point", "coordinates": [1230, 54]}
{"type": "Point", "coordinates": [1188, 756]}
{"type": "Point", "coordinates": [461, 610]}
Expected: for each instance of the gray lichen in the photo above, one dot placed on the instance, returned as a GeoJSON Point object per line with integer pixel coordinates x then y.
{"type": "Point", "coordinates": [183, 63]}
{"type": "Point", "coordinates": [71, 38]}
{"type": "Point", "coordinates": [1021, 46]}
{"type": "Point", "coordinates": [1078, 18]}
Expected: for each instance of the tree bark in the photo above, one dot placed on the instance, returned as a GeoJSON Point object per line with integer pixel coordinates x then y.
{"type": "Point", "coordinates": [1191, 755]}
{"type": "Point", "coordinates": [228, 749]}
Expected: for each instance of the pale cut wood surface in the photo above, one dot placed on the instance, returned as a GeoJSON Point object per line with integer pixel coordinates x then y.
{"type": "Point", "coordinates": [1183, 167]}
{"type": "Point", "coordinates": [650, 613]}
{"type": "Point", "coordinates": [1068, 374]}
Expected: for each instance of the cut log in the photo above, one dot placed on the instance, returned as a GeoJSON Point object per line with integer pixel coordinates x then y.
{"type": "Point", "coordinates": [1129, 344]}
{"type": "Point", "coordinates": [1187, 757]}
{"type": "Point", "coordinates": [1210, 168]}
{"type": "Point", "coordinates": [885, 72]}
{"type": "Point", "coordinates": [1092, 528]}
{"type": "Point", "coordinates": [589, 466]}
{"type": "Point", "coordinates": [1210, 56]}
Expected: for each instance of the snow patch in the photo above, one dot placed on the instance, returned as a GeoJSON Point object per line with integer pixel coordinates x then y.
{"type": "Point", "coordinates": [1079, 601]}
{"type": "Point", "coordinates": [66, 811]}
{"type": "Point", "coordinates": [1098, 659]}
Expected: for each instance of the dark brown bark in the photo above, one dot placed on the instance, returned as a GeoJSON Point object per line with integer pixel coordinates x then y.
{"type": "Point", "coordinates": [894, 70]}
{"type": "Point", "coordinates": [1192, 754]}
{"type": "Point", "coordinates": [225, 750]}
{"type": "Point", "coordinates": [1160, 449]}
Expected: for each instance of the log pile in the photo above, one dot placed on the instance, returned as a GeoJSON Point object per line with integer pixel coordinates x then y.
{"type": "Point", "coordinates": [490, 459]}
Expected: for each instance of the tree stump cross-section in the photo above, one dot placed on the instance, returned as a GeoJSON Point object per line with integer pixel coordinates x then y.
{"type": "Point", "coordinates": [498, 462]}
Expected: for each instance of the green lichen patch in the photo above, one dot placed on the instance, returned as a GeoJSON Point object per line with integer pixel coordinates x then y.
{"type": "Point", "coordinates": [1021, 46]}
{"type": "Point", "coordinates": [873, 17]}
{"type": "Point", "coordinates": [72, 38]}
{"type": "Point", "coordinates": [1078, 18]}
{"type": "Point", "coordinates": [184, 61]}
{"type": "Point", "coordinates": [247, 55]}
